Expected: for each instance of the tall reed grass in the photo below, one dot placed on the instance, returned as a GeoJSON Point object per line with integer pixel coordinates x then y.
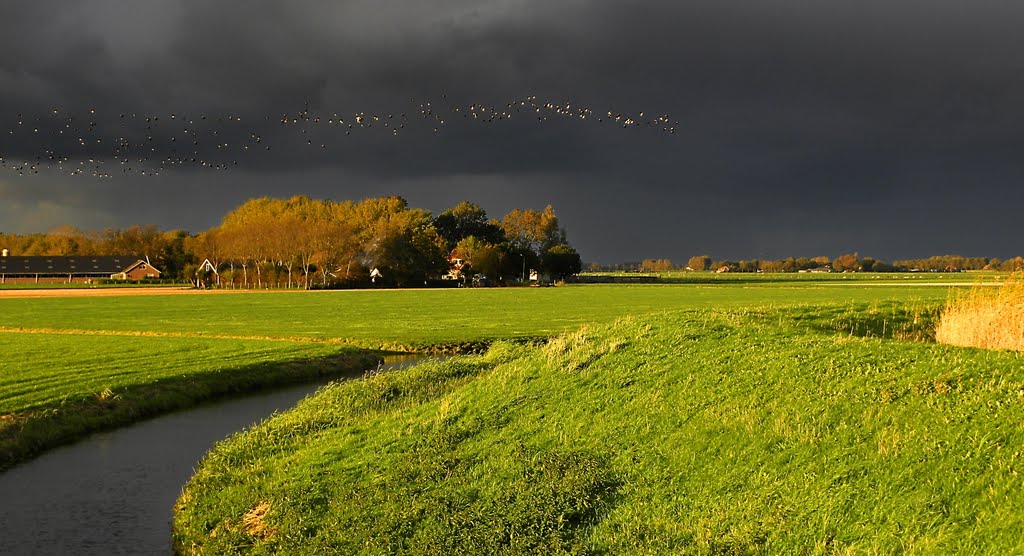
{"type": "Point", "coordinates": [985, 317]}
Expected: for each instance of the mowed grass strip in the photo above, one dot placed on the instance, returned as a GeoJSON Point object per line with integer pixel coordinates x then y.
{"type": "Point", "coordinates": [57, 387]}
{"type": "Point", "coordinates": [417, 319]}
{"type": "Point", "coordinates": [743, 431]}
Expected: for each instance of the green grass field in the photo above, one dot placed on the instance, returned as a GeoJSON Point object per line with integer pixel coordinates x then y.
{"type": "Point", "coordinates": [734, 416]}
{"type": "Point", "coordinates": [82, 366]}
{"type": "Point", "coordinates": [65, 352]}
{"type": "Point", "coordinates": [738, 431]}
{"type": "Point", "coordinates": [421, 318]}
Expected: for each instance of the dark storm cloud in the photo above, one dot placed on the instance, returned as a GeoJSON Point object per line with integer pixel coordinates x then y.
{"type": "Point", "coordinates": [810, 127]}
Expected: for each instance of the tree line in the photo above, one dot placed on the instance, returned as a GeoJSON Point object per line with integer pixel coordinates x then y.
{"type": "Point", "coordinates": [849, 262]}
{"type": "Point", "coordinates": [305, 243]}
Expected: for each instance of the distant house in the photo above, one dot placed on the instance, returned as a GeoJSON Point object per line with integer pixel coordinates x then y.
{"type": "Point", "coordinates": [139, 270]}
{"type": "Point", "coordinates": [207, 266]}
{"type": "Point", "coordinates": [205, 270]}
{"type": "Point", "coordinates": [723, 268]}
{"type": "Point", "coordinates": [73, 269]}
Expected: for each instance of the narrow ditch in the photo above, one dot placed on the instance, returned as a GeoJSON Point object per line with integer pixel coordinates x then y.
{"type": "Point", "coordinates": [114, 492]}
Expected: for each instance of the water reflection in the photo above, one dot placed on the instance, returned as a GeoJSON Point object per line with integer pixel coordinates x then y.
{"type": "Point", "coordinates": [113, 492]}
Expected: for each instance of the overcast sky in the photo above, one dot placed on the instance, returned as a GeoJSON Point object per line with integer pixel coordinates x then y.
{"type": "Point", "coordinates": [893, 128]}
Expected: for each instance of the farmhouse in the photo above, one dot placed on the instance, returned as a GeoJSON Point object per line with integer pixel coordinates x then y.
{"type": "Point", "coordinates": [73, 269]}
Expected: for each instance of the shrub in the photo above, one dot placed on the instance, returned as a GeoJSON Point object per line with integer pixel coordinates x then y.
{"type": "Point", "coordinates": [985, 317]}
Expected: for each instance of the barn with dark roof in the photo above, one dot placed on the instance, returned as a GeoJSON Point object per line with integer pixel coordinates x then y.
{"type": "Point", "coordinates": [74, 269]}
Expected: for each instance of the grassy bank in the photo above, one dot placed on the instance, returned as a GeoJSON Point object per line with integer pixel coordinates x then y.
{"type": "Point", "coordinates": [58, 387]}
{"type": "Point", "coordinates": [698, 431]}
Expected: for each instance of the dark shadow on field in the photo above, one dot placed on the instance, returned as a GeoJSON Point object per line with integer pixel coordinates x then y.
{"type": "Point", "coordinates": [893, 321]}
{"type": "Point", "coordinates": [27, 434]}
{"type": "Point", "coordinates": [546, 501]}
{"type": "Point", "coordinates": [475, 347]}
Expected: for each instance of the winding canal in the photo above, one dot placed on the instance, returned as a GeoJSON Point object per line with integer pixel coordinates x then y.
{"type": "Point", "coordinates": [114, 492]}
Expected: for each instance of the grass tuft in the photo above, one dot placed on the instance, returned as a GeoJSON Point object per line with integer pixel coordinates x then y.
{"type": "Point", "coordinates": [984, 317]}
{"type": "Point", "coordinates": [254, 521]}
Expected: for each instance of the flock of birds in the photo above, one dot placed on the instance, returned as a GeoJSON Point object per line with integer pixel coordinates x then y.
{"type": "Point", "coordinates": [104, 145]}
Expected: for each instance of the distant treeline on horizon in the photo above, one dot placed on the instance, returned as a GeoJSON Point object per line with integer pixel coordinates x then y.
{"type": "Point", "coordinates": [850, 262]}
{"type": "Point", "coordinates": [299, 242]}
